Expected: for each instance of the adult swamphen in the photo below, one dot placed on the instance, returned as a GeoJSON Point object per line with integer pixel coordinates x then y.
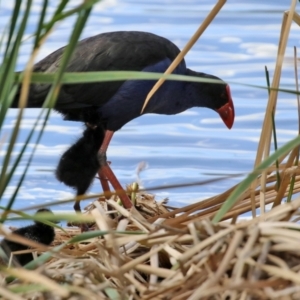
{"type": "Point", "coordinates": [110, 105]}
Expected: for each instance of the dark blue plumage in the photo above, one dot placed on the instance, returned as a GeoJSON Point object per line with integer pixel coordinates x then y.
{"type": "Point", "coordinates": [38, 232]}
{"type": "Point", "coordinates": [113, 104]}
{"type": "Point", "coordinates": [110, 105]}
{"type": "Point", "coordinates": [172, 98]}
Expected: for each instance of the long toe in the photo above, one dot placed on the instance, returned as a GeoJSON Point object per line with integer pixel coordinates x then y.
{"type": "Point", "coordinates": [84, 227]}
{"type": "Point", "coordinates": [107, 171]}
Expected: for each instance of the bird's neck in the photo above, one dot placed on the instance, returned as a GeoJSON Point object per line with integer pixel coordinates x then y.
{"type": "Point", "coordinates": [171, 98]}
{"type": "Point", "coordinates": [174, 97]}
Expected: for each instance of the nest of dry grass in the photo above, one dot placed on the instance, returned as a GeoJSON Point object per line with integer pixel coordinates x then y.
{"type": "Point", "coordinates": [251, 259]}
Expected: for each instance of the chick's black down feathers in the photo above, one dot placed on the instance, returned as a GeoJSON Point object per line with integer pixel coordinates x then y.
{"type": "Point", "coordinates": [79, 164]}
{"type": "Point", "coordinates": [38, 232]}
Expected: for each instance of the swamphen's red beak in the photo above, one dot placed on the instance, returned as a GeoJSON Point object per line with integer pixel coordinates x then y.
{"type": "Point", "coordinates": [226, 112]}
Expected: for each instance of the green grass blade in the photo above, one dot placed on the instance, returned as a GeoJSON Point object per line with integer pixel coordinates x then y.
{"type": "Point", "coordinates": [9, 176]}
{"type": "Point", "coordinates": [96, 233]}
{"type": "Point", "coordinates": [292, 182]}
{"type": "Point", "coordinates": [40, 25]}
{"type": "Point", "coordinates": [13, 23]}
{"type": "Point", "coordinates": [86, 5]}
{"type": "Point", "coordinates": [54, 91]}
{"type": "Point", "coordinates": [7, 87]}
{"type": "Point", "coordinates": [5, 175]}
{"type": "Point", "coordinates": [274, 130]}
{"type": "Point", "coordinates": [104, 76]}
{"type": "Point", "coordinates": [44, 29]}
{"type": "Point", "coordinates": [11, 57]}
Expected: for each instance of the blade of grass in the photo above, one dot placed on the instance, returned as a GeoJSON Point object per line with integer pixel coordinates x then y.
{"type": "Point", "coordinates": [54, 91]}
{"type": "Point", "coordinates": [13, 24]}
{"type": "Point", "coordinates": [292, 183]}
{"type": "Point", "coordinates": [154, 188]}
{"type": "Point", "coordinates": [38, 38]}
{"type": "Point", "coordinates": [9, 175]}
{"type": "Point", "coordinates": [44, 217]}
{"type": "Point", "coordinates": [54, 217]}
{"type": "Point", "coordinates": [103, 76]}
{"type": "Point", "coordinates": [59, 15]}
{"type": "Point", "coordinates": [83, 15]}
{"type": "Point", "coordinates": [5, 91]}
{"type": "Point", "coordinates": [274, 129]}
{"type": "Point", "coordinates": [263, 149]}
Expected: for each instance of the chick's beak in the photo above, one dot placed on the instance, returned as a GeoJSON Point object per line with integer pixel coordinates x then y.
{"type": "Point", "coordinates": [226, 112]}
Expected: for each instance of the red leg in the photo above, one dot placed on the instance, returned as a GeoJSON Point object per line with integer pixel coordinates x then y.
{"type": "Point", "coordinates": [108, 173]}
{"type": "Point", "coordinates": [104, 183]}
{"type": "Point", "coordinates": [83, 226]}
{"type": "Point", "coordinates": [102, 154]}
{"type": "Point", "coordinates": [107, 138]}
{"type": "Point", "coordinates": [116, 185]}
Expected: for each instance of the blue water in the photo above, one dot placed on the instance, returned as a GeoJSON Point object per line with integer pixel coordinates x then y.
{"type": "Point", "coordinates": [188, 147]}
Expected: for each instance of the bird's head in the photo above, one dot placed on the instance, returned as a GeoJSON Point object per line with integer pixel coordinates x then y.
{"type": "Point", "coordinates": [44, 210]}
{"type": "Point", "coordinates": [225, 104]}
{"type": "Point", "coordinates": [216, 96]}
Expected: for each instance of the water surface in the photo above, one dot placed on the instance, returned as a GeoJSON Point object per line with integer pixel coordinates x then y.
{"type": "Point", "coordinates": [188, 147]}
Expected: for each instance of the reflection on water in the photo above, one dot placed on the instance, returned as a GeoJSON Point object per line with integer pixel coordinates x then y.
{"type": "Point", "coordinates": [186, 147]}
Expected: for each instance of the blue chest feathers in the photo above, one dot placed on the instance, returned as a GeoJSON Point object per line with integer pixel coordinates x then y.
{"type": "Point", "coordinates": [128, 101]}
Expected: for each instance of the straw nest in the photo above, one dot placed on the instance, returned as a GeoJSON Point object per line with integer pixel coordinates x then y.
{"type": "Point", "coordinates": [166, 257]}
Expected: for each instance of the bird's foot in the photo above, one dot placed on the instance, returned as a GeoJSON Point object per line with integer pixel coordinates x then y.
{"type": "Point", "coordinates": [83, 226]}
{"type": "Point", "coordinates": [108, 173]}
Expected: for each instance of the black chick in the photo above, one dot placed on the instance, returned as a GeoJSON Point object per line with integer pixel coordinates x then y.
{"type": "Point", "coordinates": [38, 232]}
{"type": "Point", "coordinates": [79, 164]}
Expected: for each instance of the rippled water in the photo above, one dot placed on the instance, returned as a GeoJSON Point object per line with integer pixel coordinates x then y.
{"type": "Point", "coordinates": [188, 147]}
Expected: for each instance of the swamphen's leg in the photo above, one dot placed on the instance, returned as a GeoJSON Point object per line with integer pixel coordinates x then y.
{"type": "Point", "coordinates": [104, 183]}
{"type": "Point", "coordinates": [83, 226]}
{"type": "Point", "coordinates": [108, 173]}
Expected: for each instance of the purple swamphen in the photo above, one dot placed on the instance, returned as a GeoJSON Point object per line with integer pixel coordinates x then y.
{"type": "Point", "coordinates": [107, 106]}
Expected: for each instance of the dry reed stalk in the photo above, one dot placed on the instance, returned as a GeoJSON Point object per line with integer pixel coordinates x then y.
{"type": "Point", "coordinates": [255, 258]}
{"type": "Point", "coordinates": [265, 138]}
